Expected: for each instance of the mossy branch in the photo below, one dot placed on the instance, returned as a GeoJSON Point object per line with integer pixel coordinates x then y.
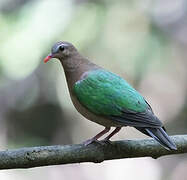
{"type": "Point", "coordinates": [96, 152]}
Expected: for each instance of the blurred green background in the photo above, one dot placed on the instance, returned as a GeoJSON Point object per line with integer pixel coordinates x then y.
{"type": "Point", "coordinates": [143, 41]}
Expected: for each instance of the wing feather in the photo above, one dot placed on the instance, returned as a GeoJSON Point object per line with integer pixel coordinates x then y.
{"type": "Point", "coordinates": [107, 94]}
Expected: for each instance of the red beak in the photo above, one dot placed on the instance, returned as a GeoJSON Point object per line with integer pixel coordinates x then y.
{"type": "Point", "coordinates": [47, 58]}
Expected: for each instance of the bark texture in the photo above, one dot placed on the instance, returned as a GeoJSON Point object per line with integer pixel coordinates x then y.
{"type": "Point", "coordinates": [78, 153]}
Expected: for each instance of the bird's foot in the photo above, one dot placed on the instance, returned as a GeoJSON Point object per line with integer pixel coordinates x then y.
{"type": "Point", "coordinates": [106, 141]}
{"type": "Point", "coordinates": [90, 141]}
{"type": "Point", "coordinates": [95, 138]}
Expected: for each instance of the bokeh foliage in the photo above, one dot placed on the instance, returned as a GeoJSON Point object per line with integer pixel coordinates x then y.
{"type": "Point", "coordinates": [143, 41]}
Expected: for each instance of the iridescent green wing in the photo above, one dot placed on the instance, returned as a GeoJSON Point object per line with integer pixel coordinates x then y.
{"type": "Point", "coordinates": [107, 94]}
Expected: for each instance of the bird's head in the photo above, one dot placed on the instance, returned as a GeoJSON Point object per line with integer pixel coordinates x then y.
{"type": "Point", "coordinates": [61, 50]}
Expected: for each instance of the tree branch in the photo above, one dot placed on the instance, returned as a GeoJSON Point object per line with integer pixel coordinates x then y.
{"type": "Point", "coordinates": [96, 152]}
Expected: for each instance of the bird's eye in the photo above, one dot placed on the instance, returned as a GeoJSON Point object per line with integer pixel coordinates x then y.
{"type": "Point", "coordinates": [61, 48]}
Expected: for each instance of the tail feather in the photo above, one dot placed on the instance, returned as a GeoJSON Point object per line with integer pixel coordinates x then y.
{"type": "Point", "coordinates": [160, 136]}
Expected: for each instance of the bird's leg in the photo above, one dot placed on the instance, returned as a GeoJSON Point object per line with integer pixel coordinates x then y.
{"type": "Point", "coordinates": [116, 130]}
{"type": "Point", "coordinates": [89, 141]}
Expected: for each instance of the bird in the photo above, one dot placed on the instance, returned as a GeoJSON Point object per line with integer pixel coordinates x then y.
{"type": "Point", "coordinates": [106, 98]}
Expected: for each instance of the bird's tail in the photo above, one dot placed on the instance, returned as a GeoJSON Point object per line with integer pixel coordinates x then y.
{"type": "Point", "coordinates": [160, 136]}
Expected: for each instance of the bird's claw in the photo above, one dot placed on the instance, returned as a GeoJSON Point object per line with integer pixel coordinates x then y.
{"type": "Point", "coordinates": [106, 141]}
{"type": "Point", "coordinates": [90, 141]}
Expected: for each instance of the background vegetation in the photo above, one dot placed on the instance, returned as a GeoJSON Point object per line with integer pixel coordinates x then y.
{"type": "Point", "coordinates": [143, 41]}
